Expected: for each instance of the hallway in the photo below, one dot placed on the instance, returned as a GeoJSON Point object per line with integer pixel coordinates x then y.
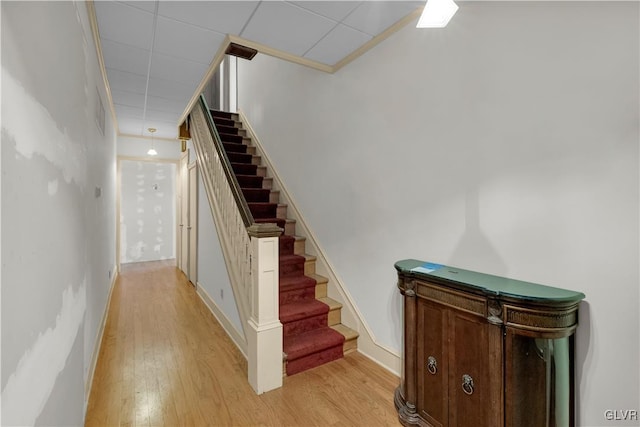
{"type": "Point", "coordinates": [165, 360]}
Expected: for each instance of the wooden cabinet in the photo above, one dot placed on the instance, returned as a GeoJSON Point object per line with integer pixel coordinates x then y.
{"type": "Point", "coordinates": [482, 350]}
{"type": "Point", "coordinates": [457, 351]}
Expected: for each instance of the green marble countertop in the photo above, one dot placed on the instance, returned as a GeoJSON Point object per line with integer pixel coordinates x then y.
{"type": "Point", "coordinates": [489, 284]}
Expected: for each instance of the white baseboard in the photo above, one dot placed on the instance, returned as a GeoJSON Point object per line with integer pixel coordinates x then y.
{"type": "Point", "coordinates": [224, 321]}
{"type": "Point", "coordinates": [351, 316]}
{"type": "Point", "coordinates": [98, 343]}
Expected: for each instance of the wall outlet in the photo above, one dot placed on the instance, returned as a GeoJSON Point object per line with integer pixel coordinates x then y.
{"type": "Point", "coordinates": [221, 293]}
{"type": "Point", "coordinates": [109, 274]}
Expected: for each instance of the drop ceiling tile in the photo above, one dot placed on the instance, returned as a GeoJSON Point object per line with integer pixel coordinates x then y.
{"type": "Point", "coordinates": [129, 82]}
{"type": "Point", "coordinates": [163, 116]}
{"type": "Point", "coordinates": [129, 126]}
{"type": "Point", "coordinates": [166, 105]}
{"type": "Point", "coordinates": [123, 57]}
{"type": "Point", "coordinates": [163, 129]}
{"type": "Point", "coordinates": [226, 17]}
{"type": "Point", "coordinates": [336, 10]}
{"type": "Point", "coordinates": [340, 42]}
{"type": "Point", "coordinates": [186, 41]}
{"type": "Point", "coordinates": [287, 27]}
{"type": "Point", "coordinates": [129, 112]}
{"type": "Point", "coordinates": [171, 89]}
{"type": "Point", "coordinates": [127, 98]}
{"type": "Point", "coordinates": [149, 6]}
{"type": "Point", "coordinates": [373, 17]}
{"type": "Point", "coordinates": [180, 70]}
{"type": "Point", "coordinates": [125, 24]}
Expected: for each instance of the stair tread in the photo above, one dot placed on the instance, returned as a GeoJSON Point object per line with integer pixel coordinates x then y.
{"type": "Point", "coordinates": [291, 258]}
{"type": "Point", "coordinates": [318, 278]}
{"type": "Point", "coordinates": [262, 204]}
{"type": "Point", "coordinates": [288, 283]}
{"type": "Point", "coordinates": [302, 309]}
{"type": "Point", "coordinates": [333, 304]}
{"type": "Point", "coordinates": [347, 332]}
{"type": "Point", "coordinates": [298, 346]}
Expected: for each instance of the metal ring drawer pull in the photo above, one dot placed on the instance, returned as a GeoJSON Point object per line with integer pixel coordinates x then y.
{"type": "Point", "coordinates": [432, 365]}
{"type": "Point", "coordinates": [467, 384]}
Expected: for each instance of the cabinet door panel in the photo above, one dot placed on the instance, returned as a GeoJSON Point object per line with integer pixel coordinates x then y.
{"type": "Point", "coordinates": [432, 380]}
{"type": "Point", "coordinates": [471, 356]}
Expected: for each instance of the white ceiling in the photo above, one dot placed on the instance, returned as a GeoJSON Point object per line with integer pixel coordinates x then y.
{"type": "Point", "coordinates": [156, 53]}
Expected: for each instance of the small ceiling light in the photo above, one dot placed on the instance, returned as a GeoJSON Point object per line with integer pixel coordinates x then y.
{"type": "Point", "coordinates": [437, 14]}
{"type": "Point", "coordinates": [152, 151]}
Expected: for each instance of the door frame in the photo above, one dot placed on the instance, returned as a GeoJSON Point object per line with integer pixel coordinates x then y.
{"type": "Point", "coordinates": [192, 259]}
{"type": "Point", "coordinates": [182, 162]}
{"type": "Point", "coordinates": [119, 160]}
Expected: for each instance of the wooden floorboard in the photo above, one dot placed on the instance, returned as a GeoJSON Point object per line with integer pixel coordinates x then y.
{"type": "Point", "coordinates": [165, 361]}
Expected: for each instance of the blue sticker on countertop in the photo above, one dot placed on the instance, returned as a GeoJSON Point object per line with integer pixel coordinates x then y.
{"type": "Point", "coordinates": [427, 267]}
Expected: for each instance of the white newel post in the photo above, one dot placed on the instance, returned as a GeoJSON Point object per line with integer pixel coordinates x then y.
{"type": "Point", "coordinates": [264, 335]}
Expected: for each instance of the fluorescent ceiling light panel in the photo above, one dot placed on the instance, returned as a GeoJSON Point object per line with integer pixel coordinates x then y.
{"type": "Point", "coordinates": [437, 14]}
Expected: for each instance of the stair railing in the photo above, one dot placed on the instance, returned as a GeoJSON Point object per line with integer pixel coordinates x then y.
{"type": "Point", "coordinates": [250, 251]}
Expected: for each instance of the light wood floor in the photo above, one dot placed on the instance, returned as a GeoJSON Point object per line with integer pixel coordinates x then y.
{"type": "Point", "coordinates": [166, 361]}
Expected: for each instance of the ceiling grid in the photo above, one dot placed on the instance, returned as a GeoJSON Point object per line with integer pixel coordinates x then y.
{"type": "Point", "coordinates": [156, 54]}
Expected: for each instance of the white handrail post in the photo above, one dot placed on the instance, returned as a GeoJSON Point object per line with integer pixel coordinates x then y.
{"type": "Point", "coordinates": [264, 334]}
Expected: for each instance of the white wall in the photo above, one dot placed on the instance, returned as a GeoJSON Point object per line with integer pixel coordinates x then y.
{"type": "Point", "coordinates": [212, 271]}
{"type": "Point", "coordinates": [58, 240]}
{"type": "Point", "coordinates": [147, 211]}
{"type": "Point", "coordinates": [506, 143]}
{"type": "Point", "coordinates": [131, 146]}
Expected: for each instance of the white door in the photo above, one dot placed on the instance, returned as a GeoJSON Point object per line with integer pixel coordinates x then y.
{"type": "Point", "coordinates": [183, 259]}
{"type": "Point", "coordinates": [193, 223]}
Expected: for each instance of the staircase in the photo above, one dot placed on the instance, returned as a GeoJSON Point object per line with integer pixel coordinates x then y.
{"type": "Point", "coordinates": [312, 332]}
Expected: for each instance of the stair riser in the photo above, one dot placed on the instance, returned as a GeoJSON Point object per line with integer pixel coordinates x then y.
{"type": "Point", "coordinates": [290, 269]}
{"type": "Point", "coordinates": [281, 211]}
{"type": "Point", "coordinates": [290, 228]}
{"type": "Point", "coordinates": [310, 267]}
{"type": "Point", "coordinates": [321, 290]}
{"type": "Point", "coordinates": [250, 182]}
{"type": "Point", "coordinates": [239, 157]}
{"type": "Point", "coordinates": [313, 360]}
{"type": "Point", "coordinates": [350, 346]}
{"type": "Point", "coordinates": [299, 247]}
{"type": "Point", "coordinates": [263, 210]}
{"type": "Point", "coordinates": [231, 130]}
{"type": "Point", "coordinates": [304, 325]}
{"type": "Point", "coordinates": [225, 115]}
{"type": "Point", "coordinates": [334, 317]}
{"type": "Point", "coordinates": [224, 122]}
{"type": "Point", "coordinates": [287, 297]}
{"type": "Point", "coordinates": [274, 197]}
{"type": "Point", "coordinates": [258, 195]}
{"type": "Point", "coordinates": [242, 169]}
{"type": "Point", "coordinates": [233, 139]}
{"type": "Point", "coordinates": [286, 247]}
{"type": "Point", "coordinates": [231, 147]}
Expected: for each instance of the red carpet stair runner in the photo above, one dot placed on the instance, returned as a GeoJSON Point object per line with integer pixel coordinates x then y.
{"type": "Point", "coordinates": [312, 333]}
